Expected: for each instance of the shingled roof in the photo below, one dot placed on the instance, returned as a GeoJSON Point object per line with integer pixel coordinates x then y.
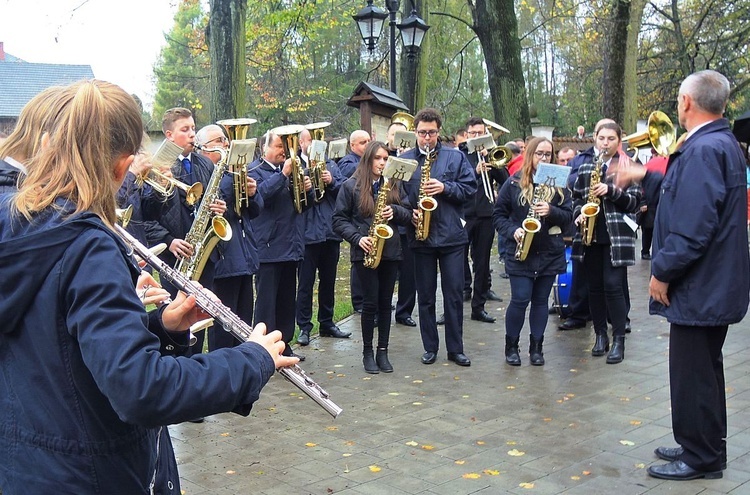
{"type": "Point", "coordinates": [21, 81]}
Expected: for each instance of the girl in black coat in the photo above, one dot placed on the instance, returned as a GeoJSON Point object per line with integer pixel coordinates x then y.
{"type": "Point", "coordinates": [531, 280]}
{"type": "Point", "coordinates": [355, 209]}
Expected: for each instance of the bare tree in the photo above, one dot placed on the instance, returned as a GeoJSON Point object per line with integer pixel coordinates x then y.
{"type": "Point", "coordinates": [226, 41]}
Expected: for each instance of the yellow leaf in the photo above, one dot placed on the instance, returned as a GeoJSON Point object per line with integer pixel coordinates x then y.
{"type": "Point", "coordinates": [586, 473]}
{"type": "Point", "coordinates": [624, 399]}
{"type": "Point", "coordinates": [393, 393]}
{"type": "Point", "coordinates": [571, 395]}
{"type": "Point", "coordinates": [225, 434]}
{"type": "Point", "coordinates": [635, 422]}
{"type": "Point", "coordinates": [375, 469]}
{"type": "Point", "coordinates": [338, 365]}
{"type": "Point", "coordinates": [428, 447]}
{"type": "Point", "coordinates": [332, 428]}
{"type": "Point", "coordinates": [412, 443]}
{"type": "Point", "coordinates": [456, 378]}
{"type": "Point", "coordinates": [346, 455]}
{"type": "Point", "coordinates": [575, 478]}
{"type": "Point", "coordinates": [627, 443]}
{"type": "Point", "coordinates": [640, 465]}
{"type": "Point", "coordinates": [573, 370]}
{"type": "Point", "coordinates": [471, 476]}
{"type": "Point", "coordinates": [510, 442]}
{"type": "Point", "coordinates": [511, 387]}
{"type": "Point", "coordinates": [416, 403]}
{"type": "Point", "coordinates": [464, 396]}
{"type": "Point", "coordinates": [341, 375]}
{"type": "Point", "coordinates": [547, 419]}
{"type": "Point", "coordinates": [310, 444]}
{"type": "Point", "coordinates": [460, 463]}
{"type": "Point", "coordinates": [480, 442]}
{"type": "Point", "coordinates": [528, 486]}
{"type": "Point", "coordinates": [367, 378]}
{"type": "Point", "coordinates": [417, 381]}
{"type": "Point", "coordinates": [515, 453]}
{"type": "Point", "coordinates": [491, 472]}
{"type": "Point", "coordinates": [349, 443]}
{"type": "Point", "coordinates": [231, 472]}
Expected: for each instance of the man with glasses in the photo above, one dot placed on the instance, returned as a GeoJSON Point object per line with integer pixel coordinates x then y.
{"type": "Point", "coordinates": [451, 184]}
{"type": "Point", "coordinates": [481, 233]}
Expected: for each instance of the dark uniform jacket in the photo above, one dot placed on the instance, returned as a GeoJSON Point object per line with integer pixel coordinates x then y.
{"type": "Point", "coordinates": [446, 225]}
{"type": "Point", "coordinates": [8, 177]}
{"type": "Point", "coordinates": [480, 206]}
{"type": "Point", "coordinates": [318, 224]}
{"type": "Point", "coordinates": [700, 233]}
{"type": "Point", "coordinates": [547, 252]}
{"type": "Point", "coordinates": [349, 223]}
{"type": "Point", "coordinates": [348, 164]}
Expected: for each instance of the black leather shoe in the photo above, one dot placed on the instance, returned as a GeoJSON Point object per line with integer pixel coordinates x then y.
{"type": "Point", "coordinates": [601, 345]}
{"type": "Point", "coordinates": [571, 324]}
{"type": "Point", "coordinates": [301, 357]}
{"type": "Point", "coordinates": [491, 296]}
{"type": "Point", "coordinates": [441, 319]}
{"type": "Point", "coordinates": [197, 420]}
{"type": "Point", "coordinates": [408, 321]}
{"type": "Point", "coordinates": [483, 316]}
{"type": "Point", "coordinates": [459, 358]}
{"type": "Point", "coordinates": [504, 275]}
{"type": "Point", "coordinates": [674, 453]}
{"type": "Point", "coordinates": [334, 331]}
{"type": "Point", "coordinates": [679, 471]}
{"type": "Point", "coordinates": [628, 328]}
{"type": "Point", "coordinates": [429, 357]}
{"type": "Point", "coordinates": [304, 337]}
{"type": "Point", "coordinates": [645, 256]}
{"type": "Point", "coordinates": [617, 353]}
{"type": "Point", "coordinates": [467, 296]}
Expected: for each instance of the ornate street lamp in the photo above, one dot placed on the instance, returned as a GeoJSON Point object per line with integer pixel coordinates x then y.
{"type": "Point", "coordinates": [370, 21]}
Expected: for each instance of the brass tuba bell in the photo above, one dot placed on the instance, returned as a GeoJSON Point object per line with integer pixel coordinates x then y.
{"type": "Point", "coordinates": [403, 118]}
{"type": "Point", "coordinates": [237, 129]}
{"type": "Point", "coordinates": [660, 134]}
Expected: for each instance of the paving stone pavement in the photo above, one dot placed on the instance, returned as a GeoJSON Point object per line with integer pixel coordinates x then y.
{"type": "Point", "coordinates": [573, 426]}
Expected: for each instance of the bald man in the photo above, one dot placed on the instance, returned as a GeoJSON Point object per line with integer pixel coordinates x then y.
{"type": "Point", "coordinates": [358, 140]}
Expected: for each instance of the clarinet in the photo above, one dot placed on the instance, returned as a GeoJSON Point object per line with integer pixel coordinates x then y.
{"type": "Point", "coordinates": [231, 322]}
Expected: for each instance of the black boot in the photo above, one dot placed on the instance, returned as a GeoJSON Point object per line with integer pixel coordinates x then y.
{"type": "Point", "coordinates": [617, 354]}
{"type": "Point", "coordinates": [536, 356]}
{"type": "Point", "coordinates": [381, 357]}
{"type": "Point", "coordinates": [601, 345]}
{"type": "Point", "coordinates": [511, 351]}
{"type": "Point", "coordinates": [369, 361]}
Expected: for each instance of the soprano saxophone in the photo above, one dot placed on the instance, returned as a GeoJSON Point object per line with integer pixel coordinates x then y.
{"type": "Point", "coordinates": [380, 231]}
{"type": "Point", "coordinates": [590, 210]}
{"type": "Point", "coordinates": [426, 204]}
{"type": "Point", "coordinates": [207, 229]}
{"type": "Point", "coordinates": [230, 321]}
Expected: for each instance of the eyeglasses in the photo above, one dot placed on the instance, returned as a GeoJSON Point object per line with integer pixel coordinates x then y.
{"type": "Point", "coordinates": [475, 133]}
{"type": "Point", "coordinates": [543, 154]}
{"type": "Point", "coordinates": [431, 133]}
{"type": "Point", "coordinates": [221, 139]}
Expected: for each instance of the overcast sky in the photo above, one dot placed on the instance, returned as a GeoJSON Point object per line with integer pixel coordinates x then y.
{"type": "Point", "coordinates": [119, 39]}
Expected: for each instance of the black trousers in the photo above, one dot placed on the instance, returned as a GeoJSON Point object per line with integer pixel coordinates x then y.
{"type": "Point", "coordinates": [277, 293]}
{"type": "Point", "coordinates": [407, 285]}
{"type": "Point", "coordinates": [377, 289]}
{"type": "Point", "coordinates": [237, 294]}
{"type": "Point", "coordinates": [321, 258]}
{"type": "Point", "coordinates": [697, 389]}
{"type": "Point", "coordinates": [648, 235]}
{"type": "Point", "coordinates": [606, 295]}
{"type": "Point", "coordinates": [578, 301]}
{"type": "Point", "coordinates": [356, 290]}
{"type": "Point", "coordinates": [450, 260]}
{"type": "Point", "coordinates": [481, 235]}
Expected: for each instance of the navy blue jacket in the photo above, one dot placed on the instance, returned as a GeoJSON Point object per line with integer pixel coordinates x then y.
{"type": "Point", "coordinates": [348, 164]}
{"type": "Point", "coordinates": [479, 206]}
{"type": "Point", "coordinates": [8, 177]}
{"type": "Point", "coordinates": [452, 169]}
{"type": "Point", "coordinates": [318, 218]}
{"type": "Point", "coordinates": [585, 156]}
{"type": "Point", "coordinates": [700, 233]}
{"type": "Point", "coordinates": [84, 389]}
{"type": "Point", "coordinates": [349, 223]}
{"type": "Point", "coordinates": [547, 252]}
{"type": "Point", "coordinates": [280, 230]}
{"type": "Point", "coordinates": [239, 255]}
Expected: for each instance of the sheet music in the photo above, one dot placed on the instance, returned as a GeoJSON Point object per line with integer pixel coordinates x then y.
{"type": "Point", "coordinates": [337, 149]}
{"type": "Point", "coordinates": [166, 154]}
{"type": "Point", "coordinates": [480, 143]}
{"type": "Point", "coordinates": [317, 151]}
{"type": "Point", "coordinates": [404, 140]}
{"type": "Point", "coordinates": [241, 152]}
{"type": "Point", "coordinates": [552, 175]}
{"type": "Point", "coordinates": [399, 168]}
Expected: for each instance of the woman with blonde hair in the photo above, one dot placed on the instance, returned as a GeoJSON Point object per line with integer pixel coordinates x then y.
{"type": "Point", "coordinates": [85, 390]}
{"type": "Point", "coordinates": [531, 279]}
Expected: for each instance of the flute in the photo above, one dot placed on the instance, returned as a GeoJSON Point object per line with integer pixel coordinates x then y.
{"type": "Point", "coordinates": [230, 321]}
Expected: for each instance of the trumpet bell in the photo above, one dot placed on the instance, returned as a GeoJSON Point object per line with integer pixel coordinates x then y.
{"type": "Point", "coordinates": [660, 134]}
{"type": "Point", "coordinates": [403, 118]}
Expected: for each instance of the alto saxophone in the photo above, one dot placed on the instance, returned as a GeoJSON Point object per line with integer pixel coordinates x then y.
{"type": "Point", "coordinates": [590, 210]}
{"type": "Point", "coordinates": [230, 321]}
{"type": "Point", "coordinates": [380, 231]}
{"type": "Point", "coordinates": [207, 229]}
{"type": "Point", "coordinates": [530, 225]}
{"type": "Point", "coordinates": [426, 204]}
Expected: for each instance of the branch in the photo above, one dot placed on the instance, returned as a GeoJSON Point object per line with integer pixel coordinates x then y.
{"type": "Point", "coordinates": [462, 21]}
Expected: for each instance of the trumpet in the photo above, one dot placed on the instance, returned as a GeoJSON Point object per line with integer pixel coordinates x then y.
{"type": "Point", "coordinates": [166, 186]}
{"type": "Point", "coordinates": [660, 134]}
{"type": "Point", "coordinates": [123, 215]}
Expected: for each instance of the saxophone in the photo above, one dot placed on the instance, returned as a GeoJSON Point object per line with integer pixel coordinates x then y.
{"type": "Point", "coordinates": [380, 231]}
{"type": "Point", "coordinates": [426, 204]}
{"type": "Point", "coordinates": [590, 210]}
{"type": "Point", "coordinates": [207, 230]}
{"type": "Point", "coordinates": [530, 225]}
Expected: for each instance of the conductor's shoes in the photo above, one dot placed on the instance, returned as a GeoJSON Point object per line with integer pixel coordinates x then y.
{"type": "Point", "coordinates": [304, 337]}
{"type": "Point", "coordinates": [482, 316]}
{"type": "Point", "coordinates": [441, 320]}
{"type": "Point", "coordinates": [571, 324]}
{"type": "Point", "coordinates": [459, 358]}
{"type": "Point", "coordinates": [674, 453]}
{"type": "Point", "coordinates": [429, 357]}
{"type": "Point", "coordinates": [334, 331]}
{"type": "Point", "coordinates": [679, 471]}
{"type": "Point", "coordinates": [408, 321]}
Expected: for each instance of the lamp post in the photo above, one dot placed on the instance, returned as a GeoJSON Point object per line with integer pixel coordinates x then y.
{"type": "Point", "coordinates": [370, 21]}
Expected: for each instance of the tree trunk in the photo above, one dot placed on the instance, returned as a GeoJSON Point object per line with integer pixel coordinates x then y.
{"type": "Point", "coordinates": [226, 48]}
{"type": "Point", "coordinates": [613, 78]}
{"type": "Point", "coordinates": [630, 111]}
{"type": "Point", "coordinates": [496, 27]}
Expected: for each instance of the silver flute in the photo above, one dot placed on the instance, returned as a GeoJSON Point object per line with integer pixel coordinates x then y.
{"type": "Point", "coordinates": [230, 321]}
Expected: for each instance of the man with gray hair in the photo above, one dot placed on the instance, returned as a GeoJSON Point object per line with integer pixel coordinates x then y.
{"type": "Point", "coordinates": [700, 244]}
